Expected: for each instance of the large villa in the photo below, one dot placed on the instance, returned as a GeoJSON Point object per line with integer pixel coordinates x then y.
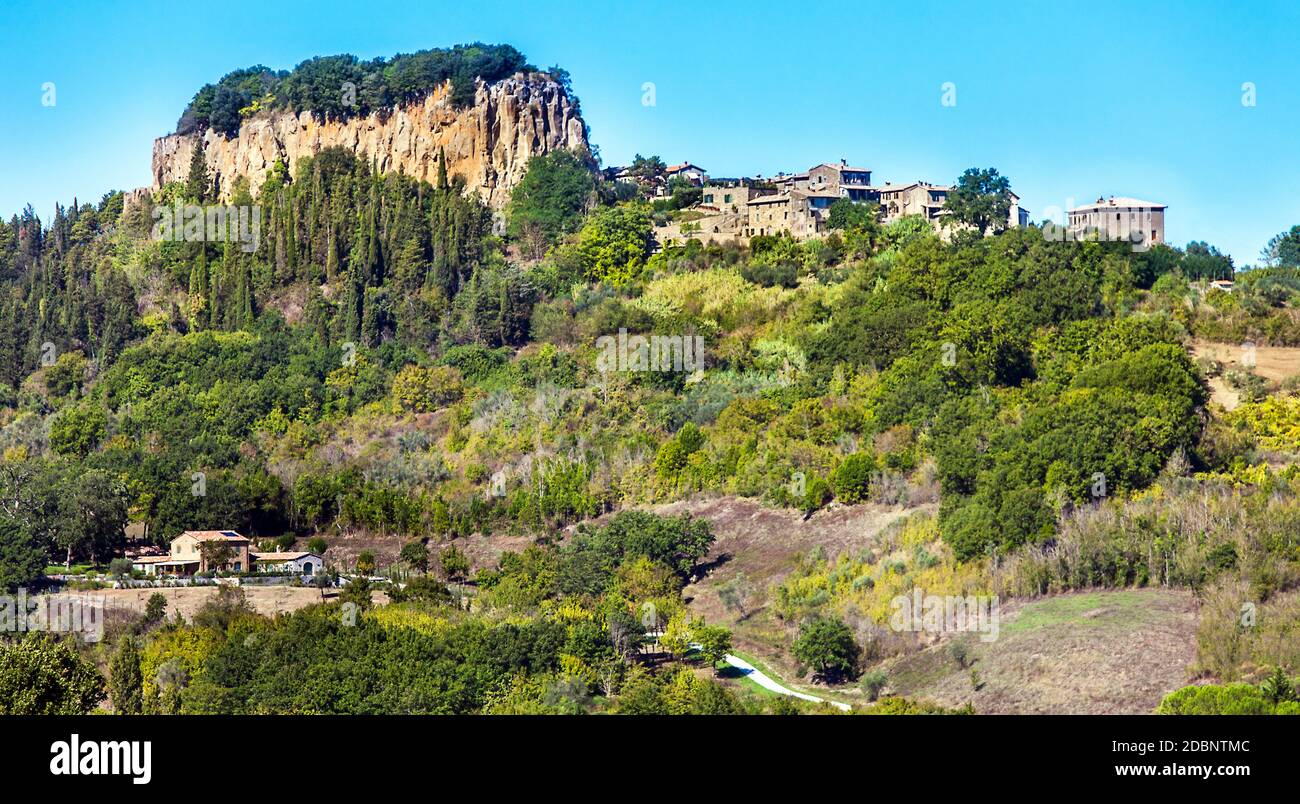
{"type": "Point", "coordinates": [196, 551]}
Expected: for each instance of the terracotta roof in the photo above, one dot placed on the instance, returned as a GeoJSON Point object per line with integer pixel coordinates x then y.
{"type": "Point", "coordinates": [214, 535]}
{"type": "Point", "coordinates": [681, 167]}
{"type": "Point", "coordinates": [909, 185]}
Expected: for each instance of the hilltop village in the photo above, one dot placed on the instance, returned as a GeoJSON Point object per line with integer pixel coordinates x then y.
{"type": "Point", "coordinates": [798, 204]}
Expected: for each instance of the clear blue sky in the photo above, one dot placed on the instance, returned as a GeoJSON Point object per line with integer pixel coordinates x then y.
{"type": "Point", "coordinates": [1069, 100]}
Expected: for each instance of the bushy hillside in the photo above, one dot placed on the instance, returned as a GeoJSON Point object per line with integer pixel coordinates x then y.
{"type": "Point", "coordinates": [386, 361]}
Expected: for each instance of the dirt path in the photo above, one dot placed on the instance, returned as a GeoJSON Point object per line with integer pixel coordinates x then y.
{"type": "Point", "coordinates": [1273, 363]}
{"type": "Point", "coordinates": [765, 681]}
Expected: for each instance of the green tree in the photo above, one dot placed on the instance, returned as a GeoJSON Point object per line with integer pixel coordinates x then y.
{"type": "Point", "coordinates": [126, 684]}
{"type": "Point", "coordinates": [647, 168]}
{"type": "Point", "coordinates": [1277, 687]}
{"type": "Point", "coordinates": [357, 592]}
{"type": "Point", "coordinates": [614, 242]}
{"type": "Point", "coordinates": [421, 390]}
{"type": "Point", "coordinates": [714, 642]}
{"type": "Point", "coordinates": [1283, 249]}
{"type": "Point", "coordinates": [817, 492]}
{"type": "Point", "coordinates": [851, 480]}
{"type": "Point", "coordinates": [453, 563]}
{"type": "Point", "coordinates": [1204, 261]}
{"type": "Point", "coordinates": [216, 554]}
{"type": "Point", "coordinates": [981, 199]}
{"type": "Point", "coordinates": [846, 214]}
{"type": "Point", "coordinates": [416, 555]}
{"type": "Point", "coordinates": [87, 514]}
{"type": "Point", "coordinates": [78, 429]}
{"type": "Point", "coordinates": [676, 542]}
{"type": "Point", "coordinates": [42, 675]}
{"type": "Point", "coordinates": [828, 647]}
{"type": "Point", "coordinates": [198, 185]}
{"type": "Point", "coordinates": [641, 694]}
{"type": "Point", "coordinates": [549, 201]}
{"type": "Point", "coordinates": [22, 557]}
{"type": "Point", "coordinates": [872, 682]}
{"type": "Point", "coordinates": [66, 375]}
{"type": "Point", "coordinates": [155, 609]}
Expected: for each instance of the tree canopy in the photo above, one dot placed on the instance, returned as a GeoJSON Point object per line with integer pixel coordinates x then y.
{"type": "Point", "coordinates": [981, 199]}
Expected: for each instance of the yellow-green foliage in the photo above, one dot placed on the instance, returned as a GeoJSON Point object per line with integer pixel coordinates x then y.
{"type": "Point", "coordinates": [421, 390]}
{"type": "Point", "coordinates": [397, 616]}
{"type": "Point", "coordinates": [185, 649]}
{"type": "Point", "coordinates": [912, 556]}
{"type": "Point", "coordinates": [1186, 535]}
{"type": "Point", "coordinates": [1240, 475]}
{"type": "Point", "coordinates": [1275, 422]}
{"type": "Point", "coordinates": [718, 295]}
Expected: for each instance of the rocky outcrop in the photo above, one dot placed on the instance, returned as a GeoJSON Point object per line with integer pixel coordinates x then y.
{"type": "Point", "coordinates": [489, 143]}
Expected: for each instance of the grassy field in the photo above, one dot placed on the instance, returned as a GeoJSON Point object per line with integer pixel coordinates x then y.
{"type": "Point", "coordinates": [1085, 653]}
{"type": "Point", "coordinates": [75, 569]}
{"type": "Point", "coordinates": [268, 600]}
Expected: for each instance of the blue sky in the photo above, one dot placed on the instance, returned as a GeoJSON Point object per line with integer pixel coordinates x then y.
{"type": "Point", "coordinates": [1069, 100]}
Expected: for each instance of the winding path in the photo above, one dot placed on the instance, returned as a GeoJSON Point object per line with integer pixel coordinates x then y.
{"type": "Point", "coordinates": [766, 682]}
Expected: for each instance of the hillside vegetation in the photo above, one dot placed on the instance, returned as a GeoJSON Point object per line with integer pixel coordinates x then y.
{"type": "Point", "coordinates": [384, 365]}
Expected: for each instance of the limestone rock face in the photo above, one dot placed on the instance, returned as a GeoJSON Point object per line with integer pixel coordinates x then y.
{"type": "Point", "coordinates": [489, 143]}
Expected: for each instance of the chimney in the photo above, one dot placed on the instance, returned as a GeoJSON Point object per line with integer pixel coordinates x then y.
{"type": "Point", "coordinates": [843, 161]}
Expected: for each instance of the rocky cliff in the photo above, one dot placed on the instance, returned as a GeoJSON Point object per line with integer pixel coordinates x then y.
{"type": "Point", "coordinates": [489, 143]}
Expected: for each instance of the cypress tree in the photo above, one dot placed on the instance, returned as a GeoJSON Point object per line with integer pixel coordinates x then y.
{"type": "Point", "coordinates": [197, 183]}
{"type": "Point", "coordinates": [198, 297]}
{"type": "Point", "coordinates": [126, 682]}
{"type": "Point", "coordinates": [332, 258]}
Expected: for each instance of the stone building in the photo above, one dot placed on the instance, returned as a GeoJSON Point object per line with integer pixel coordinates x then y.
{"type": "Point", "coordinates": [928, 200]}
{"type": "Point", "coordinates": [731, 197]}
{"type": "Point", "coordinates": [187, 557]}
{"type": "Point", "coordinates": [853, 183]}
{"type": "Point", "coordinates": [801, 213]}
{"type": "Point", "coordinates": [1128, 219]}
{"type": "Point", "coordinates": [798, 204]}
